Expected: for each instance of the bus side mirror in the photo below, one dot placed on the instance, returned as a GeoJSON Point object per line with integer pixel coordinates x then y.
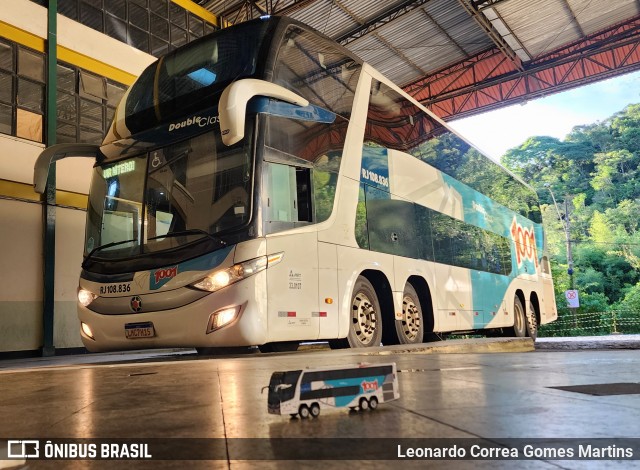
{"type": "Point", "coordinates": [283, 387]}
{"type": "Point", "coordinates": [232, 108]}
{"type": "Point", "coordinates": [55, 153]}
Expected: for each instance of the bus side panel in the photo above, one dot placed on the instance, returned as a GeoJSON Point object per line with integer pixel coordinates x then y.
{"type": "Point", "coordinates": [453, 298]}
{"type": "Point", "coordinates": [489, 291]}
{"type": "Point", "coordinates": [328, 292]}
{"type": "Point", "coordinates": [292, 288]}
{"type": "Point", "coordinates": [416, 181]}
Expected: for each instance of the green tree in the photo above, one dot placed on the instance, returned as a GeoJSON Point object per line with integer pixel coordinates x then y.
{"type": "Point", "coordinates": [595, 168]}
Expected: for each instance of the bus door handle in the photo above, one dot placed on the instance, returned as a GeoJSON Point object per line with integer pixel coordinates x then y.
{"type": "Point", "coordinates": [394, 237]}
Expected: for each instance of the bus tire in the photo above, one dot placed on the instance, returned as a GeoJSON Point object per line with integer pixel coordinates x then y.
{"type": "Point", "coordinates": [519, 329]}
{"type": "Point", "coordinates": [373, 403]}
{"type": "Point", "coordinates": [532, 322]}
{"type": "Point", "coordinates": [365, 328]}
{"type": "Point", "coordinates": [315, 410]}
{"type": "Point", "coordinates": [364, 404]}
{"type": "Point", "coordinates": [410, 329]}
{"type": "Point", "coordinates": [303, 411]}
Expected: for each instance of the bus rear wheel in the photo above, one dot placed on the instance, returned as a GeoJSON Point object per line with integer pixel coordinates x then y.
{"type": "Point", "coordinates": [315, 410]}
{"type": "Point", "coordinates": [410, 329]}
{"type": "Point", "coordinates": [532, 322]}
{"type": "Point", "coordinates": [365, 329]}
{"type": "Point", "coordinates": [303, 411]}
{"type": "Point", "coordinates": [519, 329]}
{"type": "Point", "coordinates": [373, 403]}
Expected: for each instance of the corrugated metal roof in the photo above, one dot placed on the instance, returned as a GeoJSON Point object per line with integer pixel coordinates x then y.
{"type": "Point", "coordinates": [324, 16]}
{"type": "Point", "coordinates": [416, 38]}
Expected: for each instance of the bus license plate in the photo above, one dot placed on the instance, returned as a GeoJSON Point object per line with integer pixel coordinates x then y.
{"type": "Point", "coordinates": [139, 330]}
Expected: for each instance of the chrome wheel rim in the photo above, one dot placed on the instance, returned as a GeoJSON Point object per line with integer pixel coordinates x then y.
{"type": "Point", "coordinates": [365, 318]}
{"type": "Point", "coordinates": [519, 320]}
{"type": "Point", "coordinates": [410, 318]}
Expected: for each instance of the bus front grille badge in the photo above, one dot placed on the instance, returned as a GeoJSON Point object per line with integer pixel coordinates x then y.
{"type": "Point", "coordinates": [136, 304]}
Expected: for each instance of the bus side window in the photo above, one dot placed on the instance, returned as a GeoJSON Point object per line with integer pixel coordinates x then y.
{"type": "Point", "coordinates": [303, 193]}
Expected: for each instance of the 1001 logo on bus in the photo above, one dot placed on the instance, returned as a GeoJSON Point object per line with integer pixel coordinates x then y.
{"type": "Point", "coordinates": [525, 241]}
{"type": "Point", "coordinates": [168, 273]}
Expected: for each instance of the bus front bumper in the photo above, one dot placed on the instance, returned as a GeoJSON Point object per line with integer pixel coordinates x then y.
{"type": "Point", "coordinates": [186, 326]}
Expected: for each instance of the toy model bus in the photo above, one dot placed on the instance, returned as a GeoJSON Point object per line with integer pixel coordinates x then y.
{"type": "Point", "coordinates": [306, 392]}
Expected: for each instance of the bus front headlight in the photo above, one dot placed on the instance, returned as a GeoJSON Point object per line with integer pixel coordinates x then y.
{"type": "Point", "coordinates": [85, 297]}
{"type": "Point", "coordinates": [220, 278]}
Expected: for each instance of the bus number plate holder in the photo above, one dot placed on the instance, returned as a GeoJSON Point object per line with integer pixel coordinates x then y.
{"type": "Point", "coordinates": [139, 330]}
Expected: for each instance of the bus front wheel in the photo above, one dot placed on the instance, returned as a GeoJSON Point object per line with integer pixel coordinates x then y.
{"type": "Point", "coordinates": [365, 329]}
{"type": "Point", "coordinates": [303, 411]}
{"type": "Point", "coordinates": [410, 329]}
{"type": "Point", "coordinates": [364, 404]}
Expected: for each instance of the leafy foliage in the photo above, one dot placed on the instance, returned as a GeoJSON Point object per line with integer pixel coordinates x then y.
{"type": "Point", "coordinates": [594, 173]}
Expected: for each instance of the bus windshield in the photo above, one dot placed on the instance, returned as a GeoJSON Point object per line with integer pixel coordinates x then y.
{"type": "Point", "coordinates": [168, 197]}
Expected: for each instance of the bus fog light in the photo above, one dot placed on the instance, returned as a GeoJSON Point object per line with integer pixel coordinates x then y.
{"type": "Point", "coordinates": [85, 297]}
{"type": "Point", "coordinates": [86, 329]}
{"type": "Point", "coordinates": [222, 318]}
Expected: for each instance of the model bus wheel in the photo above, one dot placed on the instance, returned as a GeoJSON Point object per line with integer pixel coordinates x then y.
{"type": "Point", "coordinates": [315, 410]}
{"type": "Point", "coordinates": [373, 403]}
{"type": "Point", "coordinates": [410, 329]}
{"type": "Point", "coordinates": [519, 319]}
{"type": "Point", "coordinates": [366, 324]}
{"type": "Point", "coordinates": [532, 322]}
{"type": "Point", "coordinates": [303, 411]}
{"type": "Point", "coordinates": [364, 404]}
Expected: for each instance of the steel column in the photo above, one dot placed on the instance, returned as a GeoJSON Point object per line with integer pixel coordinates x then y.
{"type": "Point", "coordinates": [49, 206]}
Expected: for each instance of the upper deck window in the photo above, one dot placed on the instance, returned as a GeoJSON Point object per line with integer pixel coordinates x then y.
{"type": "Point", "coordinates": [188, 78]}
{"type": "Point", "coordinates": [317, 69]}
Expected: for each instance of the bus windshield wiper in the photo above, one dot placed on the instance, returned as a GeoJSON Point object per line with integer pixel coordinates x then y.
{"type": "Point", "coordinates": [192, 231]}
{"type": "Point", "coordinates": [106, 245]}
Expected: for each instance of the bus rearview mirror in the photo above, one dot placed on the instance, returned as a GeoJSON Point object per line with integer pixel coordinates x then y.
{"type": "Point", "coordinates": [233, 104]}
{"type": "Point", "coordinates": [55, 153]}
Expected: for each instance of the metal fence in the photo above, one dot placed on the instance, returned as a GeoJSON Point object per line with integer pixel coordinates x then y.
{"type": "Point", "coordinates": [593, 323]}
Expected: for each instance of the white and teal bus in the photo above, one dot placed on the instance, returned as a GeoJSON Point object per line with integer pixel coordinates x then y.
{"type": "Point", "coordinates": [307, 392]}
{"type": "Point", "coordinates": [264, 186]}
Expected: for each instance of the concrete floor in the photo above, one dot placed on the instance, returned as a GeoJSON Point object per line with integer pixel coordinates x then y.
{"type": "Point", "coordinates": [490, 396]}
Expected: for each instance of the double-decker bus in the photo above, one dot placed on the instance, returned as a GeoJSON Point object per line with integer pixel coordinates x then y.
{"type": "Point", "coordinates": [264, 186]}
{"type": "Point", "coordinates": [306, 392]}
